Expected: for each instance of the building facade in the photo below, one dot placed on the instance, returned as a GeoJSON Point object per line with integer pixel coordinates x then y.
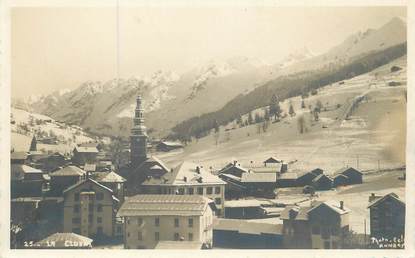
{"type": "Point", "coordinates": [387, 216]}
{"type": "Point", "coordinates": [322, 225]}
{"type": "Point", "coordinates": [150, 219]}
{"type": "Point", "coordinates": [89, 209]}
{"type": "Point", "coordinates": [189, 179]}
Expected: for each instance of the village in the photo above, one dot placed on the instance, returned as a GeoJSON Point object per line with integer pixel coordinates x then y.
{"type": "Point", "coordinates": [84, 199]}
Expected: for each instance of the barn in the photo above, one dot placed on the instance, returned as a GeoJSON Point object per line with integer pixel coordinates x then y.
{"type": "Point", "coordinates": [340, 180]}
{"type": "Point", "coordinates": [354, 175]}
{"type": "Point", "coordinates": [322, 182]}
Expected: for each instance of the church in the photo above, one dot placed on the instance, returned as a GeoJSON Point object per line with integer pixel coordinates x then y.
{"type": "Point", "coordinates": [146, 174]}
{"type": "Point", "coordinates": [141, 165]}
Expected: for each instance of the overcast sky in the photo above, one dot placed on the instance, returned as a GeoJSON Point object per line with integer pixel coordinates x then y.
{"type": "Point", "coordinates": [57, 48]}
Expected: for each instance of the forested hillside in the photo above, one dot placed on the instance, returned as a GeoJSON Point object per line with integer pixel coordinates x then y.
{"type": "Point", "coordinates": [284, 87]}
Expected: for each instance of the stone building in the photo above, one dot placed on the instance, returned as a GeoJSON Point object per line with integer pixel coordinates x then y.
{"type": "Point", "coordinates": [189, 179]}
{"type": "Point", "coordinates": [90, 209]}
{"type": "Point", "coordinates": [151, 219]}
{"type": "Point", "coordinates": [321, 225]}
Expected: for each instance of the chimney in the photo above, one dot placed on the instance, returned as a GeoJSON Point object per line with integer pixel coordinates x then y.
{"type": "Point", "coordinates": [171, 170]}
{"type": "Point", "coordinates": [372, 197]}
{"type": "Point", "coordinates": [341, 205]}
{"type": "Point", "coordinates": [88, 174]}
{"type": "Point", "coordinates": [198, 169]}
{"type": "Point", "coordinates": [185, 179]}
{"type": "Point", "coordinates": [234, 162]}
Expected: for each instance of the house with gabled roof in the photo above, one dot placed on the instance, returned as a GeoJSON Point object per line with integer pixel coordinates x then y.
{"type": "Point", "coordinates": [387, 216]}
{"type": "Point", "coordinates": [64, 177]}
{"type": "Point", "coordinates": [320, 225]}
{"type": "Point", "coordinates": [111, 180]}
{"type": "Point", "coordinates": [26, 181]}
{"type": "Point", "coordinates": [322, 182]}
{"type": "Point", "coordinates": [150, 219]}
{"type": "Point", "coordinates": [84, 154]}
{"type": "Point", "coordinates": [354, 176]}
{"type": "Point", "coordinates": [188, 179]}
{"type": "Point", "coordinates": [272, 161]}
{"type": "Point", "coordinates": [90, 209]}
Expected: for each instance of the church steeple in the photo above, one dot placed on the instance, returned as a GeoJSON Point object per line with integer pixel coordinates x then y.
{"type": "Point", "coordinates": [138, 138]}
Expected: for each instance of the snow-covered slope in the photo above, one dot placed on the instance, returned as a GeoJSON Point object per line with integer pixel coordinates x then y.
{"type": "Point", "coordinates": [107, 107]}
{"type": "Point", "coordinates": [25, 124]}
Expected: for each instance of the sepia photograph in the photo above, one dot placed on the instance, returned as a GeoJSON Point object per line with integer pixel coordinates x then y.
{"type": "Point", "coordinates": [207, 126]}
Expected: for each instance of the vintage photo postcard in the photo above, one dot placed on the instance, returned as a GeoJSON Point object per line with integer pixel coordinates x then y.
{"type": "Point", "coordinates": [255, 128]}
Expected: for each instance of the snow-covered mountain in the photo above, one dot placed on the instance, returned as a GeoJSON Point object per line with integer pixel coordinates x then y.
{"type": "Point", "coordinates": [107, 107]}
{"type": "Point", "coordinates": [295, 57]}
{"type": "Point", "coordinates": [355, 45]}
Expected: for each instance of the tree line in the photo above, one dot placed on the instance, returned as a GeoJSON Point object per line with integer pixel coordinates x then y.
{"type": "Point", "coordinates": [298, 84]}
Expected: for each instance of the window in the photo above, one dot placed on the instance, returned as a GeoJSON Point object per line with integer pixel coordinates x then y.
{"type": "Point", "coordinates": [218, 201]}
{"type": "Point", "coordinates": [217, 190]}
{"type": "Point", "coordinates": [119, 229]}
{"type": "Point", "coordinates": [140, 221]}
{"type": "Point", "coordinates": [140, 235]}
{"type": "Point", "coordinates": [76, 230]}
{"type": "Point", "coordinates": [99, 208]}
{"type": "Point", "coordinates": [325, 233]}
{"type": "Point", "coordinates": [76, 197]}
{"type": "Point", "coordinates": [209, 190]}
{"type": "Point", "coordinates": [326, 245]}
{"type": "Point", "coordinates": [190, 191]}
{"type": "Point", "coordinates": [315, 230]}
{"type": "Point", "coordinates": [76, 220]}
{"type": "Point", "coordinates": [176, 236]}
{"type": "Point", "coordinates": [76, 208]}
{"type": "Point", "coordinates": [90, 207]}
{"type": "Point", "coordinates": [190, 223]}
{"type": "Point", "coordinates": [100, 196]}
{"type": "Point", "coordinates": [157, 222]}
{"type": "Point", "coordinates": [200, 190]}
{"type": "Point", "coordinates": [157, 236]}
{"type": "Point", "coordinates": [176, 222]}
{"type": "Point", "coordinates": [90, 218]}
{"type": "Point", "coordinates": [181, 191]}
{"type": "Point", "coordinates": [218, 212]}
{"type": "Point", "coordinates": [190, 236]}
{"type": "Point", "coordinates": [99, 220]}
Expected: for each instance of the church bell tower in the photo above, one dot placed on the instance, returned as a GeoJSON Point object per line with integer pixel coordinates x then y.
{"type": "Point", "coordinates": [138, 138]}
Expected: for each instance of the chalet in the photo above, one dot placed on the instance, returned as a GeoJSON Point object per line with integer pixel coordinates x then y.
{"type": "Point", "coordinates": [387, 216]}
{"type": "Point", "coordinates": [19, 157]}
{"type": "Point", "coordinates": [151, 219]}
{"type": "Point", "coordinates": [233, 169]}
{"type": "Point", "coordinates": [53, 161]}
{"type": "Point", "coordinates": [244, 234]}
{"type": "Point", "coordinates": [307, 177]}
{"type": "Point", "coordinates": [272, 161]}
{"type": "Point", "coordinates": [354, 176]}
{"type": "Point", "coordinates": [90, 209]}
{"type": "Point", "coordinates": [188, 179]}
{"type": "Point", "coordinates": [64, 241]}
{"type": "Point", "coordinates": [83, 155]}
{"type": "Point", "coordinates": [64, 177]}
{"type": "Point", "coordinates": [322, 182]}
{"type": "Point", "coordinates": [26, 181]}
{"type": "Point", "coordinates": [340, 180]}
{"type": "Point", "coordinates": [168, 146]}
{"type": "Point", "coordinates": [111, 180]}
{"type": "Point", "coordinates": [288, 179]}
{"type": "Point", "coordinates": [321, 225]}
